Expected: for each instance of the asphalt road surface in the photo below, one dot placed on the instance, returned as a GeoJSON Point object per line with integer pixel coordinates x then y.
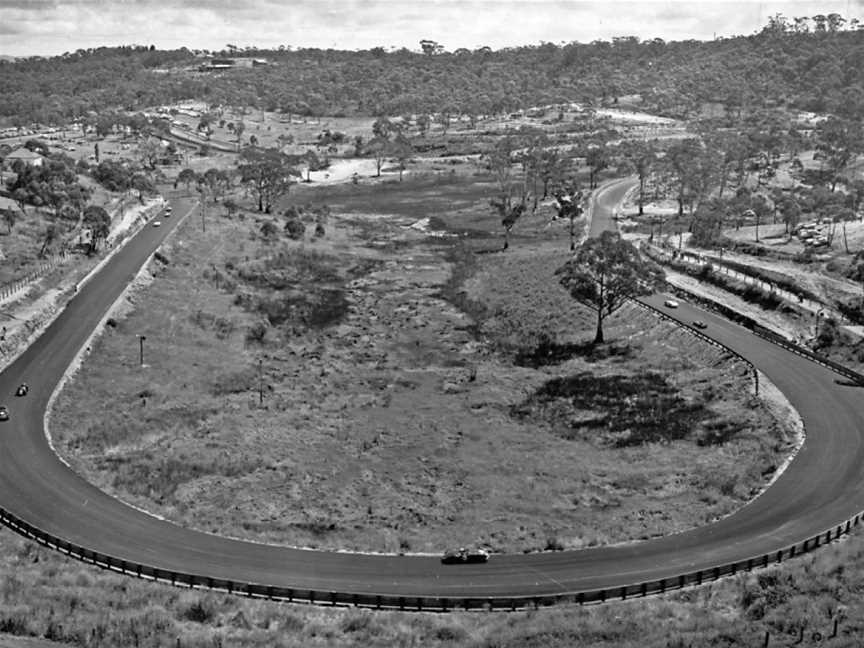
{"type": "Point", "coordinates": [823, 486]}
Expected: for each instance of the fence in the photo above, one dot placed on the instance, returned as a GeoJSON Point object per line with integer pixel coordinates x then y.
{"type": "Point", "coordinates": [10, 289]}
{"type": "Point", "coordinates": [429, 603]}
{"type": "Point", "coordinates": [800, 298]}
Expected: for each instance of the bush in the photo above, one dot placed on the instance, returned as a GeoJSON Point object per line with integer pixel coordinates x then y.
{"type": "Point", "coordinates": [256, 333]}
{"type": "Point", "coordinates": [295, 229]}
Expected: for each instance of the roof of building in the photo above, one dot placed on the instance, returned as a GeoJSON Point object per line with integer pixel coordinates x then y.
{"type": "Point", "coordinates": [23, 154]}
{"type": "Point", "coordinates": [7, 204]}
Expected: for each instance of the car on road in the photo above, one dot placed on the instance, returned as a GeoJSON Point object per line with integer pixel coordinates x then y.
{"type": "Point", "coordinates": [464, 555]}
{"type": "Point", "coordinates": [4, 413]}
{"type": "Point", "coordinates": [157, 223]}
{"type": "Point", "coordinates": [700, 324]}
{"type": "Point", "coordinates": [670, 303]}
{"type": "Point", "coordinates": [168, 211]}
{"type": "Point", "coordinates": [22, 390]}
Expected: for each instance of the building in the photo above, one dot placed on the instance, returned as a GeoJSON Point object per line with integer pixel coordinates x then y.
{"type": "Point", "coordinates": [25, 155]}
{"type": "Point", "coordinates": [223, 63]}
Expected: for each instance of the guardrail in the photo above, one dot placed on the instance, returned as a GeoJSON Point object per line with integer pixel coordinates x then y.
{"type": "Point", "coordinates": [638, 589]}
{"type": "Point", "coordinates": [781, 341]}
{"type": "Point", "coordinates": [695, 331]}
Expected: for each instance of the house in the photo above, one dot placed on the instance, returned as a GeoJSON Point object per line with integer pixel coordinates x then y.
{"type": "Point", "coordinates": [25, 155]}
{"type": "Point", "coordinates": [223, 63]}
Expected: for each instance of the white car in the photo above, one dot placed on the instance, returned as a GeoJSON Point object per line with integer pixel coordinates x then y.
{"type": "Point", "coordinates": [670, 303]}
{"type": "Point", "coordinates": [157, 223]}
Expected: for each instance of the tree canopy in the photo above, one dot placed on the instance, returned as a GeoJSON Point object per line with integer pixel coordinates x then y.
{"type": "Point", "coordinates": [607, 271]}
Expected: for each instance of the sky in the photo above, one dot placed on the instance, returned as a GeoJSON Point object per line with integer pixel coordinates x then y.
{"type": "Point", "coordinates": [48, 27]}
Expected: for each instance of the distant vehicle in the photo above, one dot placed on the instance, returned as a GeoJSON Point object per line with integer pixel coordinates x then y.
{"type": "Point", "coordinates": [4, 413]}
{"type": "Point", "coordinates": [157, 223]}
{"type": "Point", "coordinates": [168, 211]}
{"type": "Point", "coordinates": [463, 555]}
{"type": "Point", "coordinates": [805, 234]}
{"type": "Point", "coordinates": [700, 324]}
{"type": "Point", "coordinates": [22, 390]}
{"type": "Point", "coordinates": [670, 303]}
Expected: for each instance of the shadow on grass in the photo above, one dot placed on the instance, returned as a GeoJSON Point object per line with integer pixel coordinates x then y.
{"type": "Point", "coordinates": [619, 411]}
{"type": "Point", "coordinates": [548, 352]}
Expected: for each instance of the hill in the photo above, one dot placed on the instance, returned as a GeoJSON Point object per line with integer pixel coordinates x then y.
{"type": "Point", "coordinates": [785, 64]}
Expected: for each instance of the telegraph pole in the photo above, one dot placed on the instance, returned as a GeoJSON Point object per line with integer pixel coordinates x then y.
{"type": "Point", "coordinates": [260, 381]}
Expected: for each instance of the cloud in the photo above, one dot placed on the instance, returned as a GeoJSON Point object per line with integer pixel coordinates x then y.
{"type": "Point", "coordinates": [51, 26]}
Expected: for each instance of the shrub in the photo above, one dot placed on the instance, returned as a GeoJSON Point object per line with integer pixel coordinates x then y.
{"type": "Point", "coordinates": [256, 333]}
{"type": "Point", "coordinates": [295, 229]}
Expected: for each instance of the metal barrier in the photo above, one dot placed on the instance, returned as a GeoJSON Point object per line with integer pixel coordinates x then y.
{"type": "Point", "coordinates": [639, 589]}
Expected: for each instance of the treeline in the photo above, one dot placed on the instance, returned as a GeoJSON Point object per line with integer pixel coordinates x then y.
{"type": "Point", "coordinates": [806, 63]}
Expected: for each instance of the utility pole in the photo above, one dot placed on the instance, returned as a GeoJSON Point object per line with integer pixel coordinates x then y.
{"type": "Point", "coordinates": [141, 339]}
{"type": "Point", "coordinates": [260, 381]}
{"type": "Point", "coordinates": [203, 211]}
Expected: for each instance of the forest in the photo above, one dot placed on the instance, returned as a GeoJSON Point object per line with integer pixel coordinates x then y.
{"type": "Point", "coordinates": [805, 63]}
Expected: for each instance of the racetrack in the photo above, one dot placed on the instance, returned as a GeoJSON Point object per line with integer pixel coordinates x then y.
{"type": "Point", "coordinates": [821, 488]}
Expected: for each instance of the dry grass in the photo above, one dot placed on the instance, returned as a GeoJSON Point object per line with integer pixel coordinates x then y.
{"type": "Point", "coordinates": [382, 394]}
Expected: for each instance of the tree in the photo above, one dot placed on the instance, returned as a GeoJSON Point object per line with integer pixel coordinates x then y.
{"type": "Point", "coordinates": [839, 141]}
{"type": "Point", "coordinates": [443, 118]}
{"type": "Point", "coordinates": [382, 127]}
{"type": "Point", "coordinates": [52, 232]}
{"type": "Point", "coordinates": [239, 129]}
{"type": "Point", "coordinates": [401, 149]}
{"type": "Point", "coordinates": [187, 177]}
{"type": "Point", "coordinates": [550, 168]}
{"type": "Point", "coordinates": [269, 174]}
{"type": "Point", "coordinates": [597, 160]}
{"type": "Point", "coordinates": [216, 181]}
{"type": "Point", "coordinates": [568, 205]}
{"type": "Point", "coordinates": [231, 207]}
{"type": "Point", "coordinates": [10, 217]}
{"type": "Point", "coordinates": [99, 222]}
{"type": "Point", "coordinates": [423, 122]}
{"type": "Point", "coordinates": [149, 152]}
{"type": "Point", "coordinates": [378, 147]}
{"type": "Point", "coordinates": [142, 184]}
{"type": "Point", "coordinates": [605, 273]}
{"type": "Point", "coordinates": [642, 156]}
{"type": "Point", "coordinates": [500, 161]}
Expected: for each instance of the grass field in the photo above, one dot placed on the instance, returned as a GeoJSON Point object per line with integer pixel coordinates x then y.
{"type": "Point", "coordinates": [415, 420]}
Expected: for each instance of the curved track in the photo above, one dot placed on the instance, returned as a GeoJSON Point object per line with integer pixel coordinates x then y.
{"type": "Point", "coordinates": [822, 487]}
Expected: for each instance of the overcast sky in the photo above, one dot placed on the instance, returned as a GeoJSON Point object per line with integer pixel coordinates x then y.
{"type": "Point", "coordinates": [45, 27]}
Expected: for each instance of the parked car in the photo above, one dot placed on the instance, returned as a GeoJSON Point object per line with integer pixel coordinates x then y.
{"type": "Point", "coordinates": [464, 555]}
{"type": "Point", "coordinates": [157, 223]}
{"type": "Point", "coordinates": [700, 324]}
{"type": "Point", "coordinates": [670, 303]}
{"type": "Point", "coordinates": [4, 413]}
{"type": "Point", "coordinates": [22, 390]}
